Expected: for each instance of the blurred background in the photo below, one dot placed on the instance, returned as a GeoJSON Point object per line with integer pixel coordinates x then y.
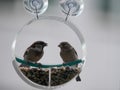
{"type": "Point", "coordinates": [100, 26]}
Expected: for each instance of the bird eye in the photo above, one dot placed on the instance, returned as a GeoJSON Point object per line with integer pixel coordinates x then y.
{"type": "Point", "coordinates": [65, 45]}
{"type": "Point", "coordinates": [39, 46]}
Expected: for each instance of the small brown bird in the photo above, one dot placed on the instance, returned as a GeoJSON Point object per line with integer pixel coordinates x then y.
{"type": "Point", "coordinates": [34, 53]}
{"type": "Point", "coordinates": [68, 54]}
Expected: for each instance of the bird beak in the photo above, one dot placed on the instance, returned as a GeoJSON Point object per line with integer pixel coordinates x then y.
{"type": "Point", "coordinates": [59, 45]}
{"type": "Point", "coordinates": [46, 44]}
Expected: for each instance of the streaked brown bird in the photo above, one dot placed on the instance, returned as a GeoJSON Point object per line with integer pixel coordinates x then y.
{"type": "Point", "coordinates": [34, 53]}
{"type": "Point", "coordinates": [68, 54]}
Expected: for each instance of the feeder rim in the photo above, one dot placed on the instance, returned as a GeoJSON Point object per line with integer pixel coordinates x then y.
{"type": "Point", "coordinates": [49, 66]}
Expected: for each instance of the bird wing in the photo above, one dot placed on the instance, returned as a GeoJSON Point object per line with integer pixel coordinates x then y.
{"type": "Point", "coordinates": [33, 54]}
{"type": "Point", "coordinates": [26, 52]}
{"type": "Point", "coordinates": [75, 51]}
{"type": "Point", "coordinates": [29, 51]}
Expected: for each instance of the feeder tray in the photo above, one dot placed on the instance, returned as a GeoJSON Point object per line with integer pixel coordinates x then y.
{"type": "Point", "coordinates": [60, 73]}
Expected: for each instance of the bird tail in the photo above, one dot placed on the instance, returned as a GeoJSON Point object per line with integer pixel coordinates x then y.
{"type": "Point", "coordinates": [78, 79]}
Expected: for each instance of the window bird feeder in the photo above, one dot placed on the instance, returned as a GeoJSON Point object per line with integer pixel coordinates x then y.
{"type": "Point", "coordinates": [51, 71]}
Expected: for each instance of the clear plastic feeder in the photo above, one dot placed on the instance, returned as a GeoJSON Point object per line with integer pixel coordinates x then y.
{"type": "Point", "coordinates": [52, 73]}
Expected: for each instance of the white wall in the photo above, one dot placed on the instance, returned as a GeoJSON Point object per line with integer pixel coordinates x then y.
{"type": "Point", "coordinates": [101, 32]}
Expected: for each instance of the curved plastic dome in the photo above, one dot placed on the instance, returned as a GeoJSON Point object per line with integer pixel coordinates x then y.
{"type": "Point", "coordinates": [52, 72]}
